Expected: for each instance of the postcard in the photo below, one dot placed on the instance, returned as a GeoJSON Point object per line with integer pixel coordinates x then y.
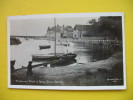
{"type": "Point", "coordinates": [72, 51]}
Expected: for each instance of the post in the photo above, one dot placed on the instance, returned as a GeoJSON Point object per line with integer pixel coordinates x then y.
{"type": "Point", "coordinates": [29, 69]}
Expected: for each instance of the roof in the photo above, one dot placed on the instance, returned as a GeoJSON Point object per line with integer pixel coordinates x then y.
{"type": "Point", "coordinates": [81, 27]}
{"type": "Point", "coordinates": [69, 28]}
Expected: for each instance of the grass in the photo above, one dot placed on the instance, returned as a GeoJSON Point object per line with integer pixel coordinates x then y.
{"type": "Point", "coordinates": [100, 73]}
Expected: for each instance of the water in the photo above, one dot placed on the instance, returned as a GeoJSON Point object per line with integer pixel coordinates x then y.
{"type": "Point", "coordinates": [23, 52]}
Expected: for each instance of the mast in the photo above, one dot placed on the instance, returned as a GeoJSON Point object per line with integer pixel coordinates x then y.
{"type": "Point", "coordinates": [67, 42]}
{"type": "Point", "coordinates": [55, 36]}
{"type": "Point", "coordinates": [49, 35]}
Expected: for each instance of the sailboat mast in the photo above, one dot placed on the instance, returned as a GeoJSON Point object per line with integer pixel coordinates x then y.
{"type": "Point", "coordinates": [55, 35]}
{"type": "Point", "coordinates": [67, 42]}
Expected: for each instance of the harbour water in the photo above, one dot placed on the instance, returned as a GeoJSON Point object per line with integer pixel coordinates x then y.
{"type": "Point", "coordinates": [23, 52]}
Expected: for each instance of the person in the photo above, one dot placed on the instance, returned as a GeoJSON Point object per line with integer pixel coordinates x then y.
{"type": "Point", "coordinates": [29, 69]}
{"type": "Point", "coordinates": [12, 65]}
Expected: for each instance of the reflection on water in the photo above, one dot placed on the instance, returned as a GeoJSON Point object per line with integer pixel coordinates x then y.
{"type": "Point", "coordinates": [23, 53]}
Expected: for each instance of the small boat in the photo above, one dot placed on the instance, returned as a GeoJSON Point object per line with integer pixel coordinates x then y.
{"type": "Point", "coordinates": [65, 44]}
{"type": "Point", "coordinates": [44, 46]}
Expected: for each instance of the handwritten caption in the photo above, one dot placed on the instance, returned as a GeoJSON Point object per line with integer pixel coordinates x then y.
{"type": "Point", "coordinates": [39, 81]}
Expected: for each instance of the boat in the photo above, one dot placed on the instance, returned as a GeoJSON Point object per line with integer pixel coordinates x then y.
{"type": "Point", "coordinates": [63, 44]}
{"type": "Point", "coordinates": [62, 56]}
{"type": "Point", "coordinates": [54, 56]}
{"type": "Point", "coordinates": [66, 44]}
{"type": "Point", "coordinates": [44, 46]}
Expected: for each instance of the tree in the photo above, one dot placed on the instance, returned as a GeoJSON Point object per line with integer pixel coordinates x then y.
{"type": "Point", "coordinates": [92, 21]}
{"type": "Point", "coordinates": [111, 26]}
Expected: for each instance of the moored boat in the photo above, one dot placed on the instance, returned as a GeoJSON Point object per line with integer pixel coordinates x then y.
{"type": "Point", "coordinates": [65, 44]}
{"type": "Point", "coordinates": [44, 46]}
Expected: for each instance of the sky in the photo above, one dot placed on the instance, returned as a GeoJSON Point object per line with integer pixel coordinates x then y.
{"type": "Point", "coordinates": [38, 27]}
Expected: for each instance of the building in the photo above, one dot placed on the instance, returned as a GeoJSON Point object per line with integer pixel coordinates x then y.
{"type": "Point", "coordinates": [68, 32]}
{"type": "Point", "coordinates": [80, 31]}
{"type": "Point", "coordinates": [51, 32]}
{"type": "Point", "coordinates": [61, 32]}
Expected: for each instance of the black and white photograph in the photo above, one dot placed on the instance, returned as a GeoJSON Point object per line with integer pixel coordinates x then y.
{"type": "Point", "coordinates": [74, 51]}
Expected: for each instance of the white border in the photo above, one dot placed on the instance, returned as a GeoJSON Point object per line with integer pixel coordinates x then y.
{"type": "Point", "coordinates": [60, 16]}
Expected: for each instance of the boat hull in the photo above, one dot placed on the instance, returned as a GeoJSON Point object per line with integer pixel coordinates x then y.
{"type": "Point", "coordinates": [44, 47]}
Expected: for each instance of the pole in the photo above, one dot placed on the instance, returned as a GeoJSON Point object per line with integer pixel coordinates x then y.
{"type": "Point", "coordinates": [55, 35]}
{"type": "Point", "coordinates": [67, 42]}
